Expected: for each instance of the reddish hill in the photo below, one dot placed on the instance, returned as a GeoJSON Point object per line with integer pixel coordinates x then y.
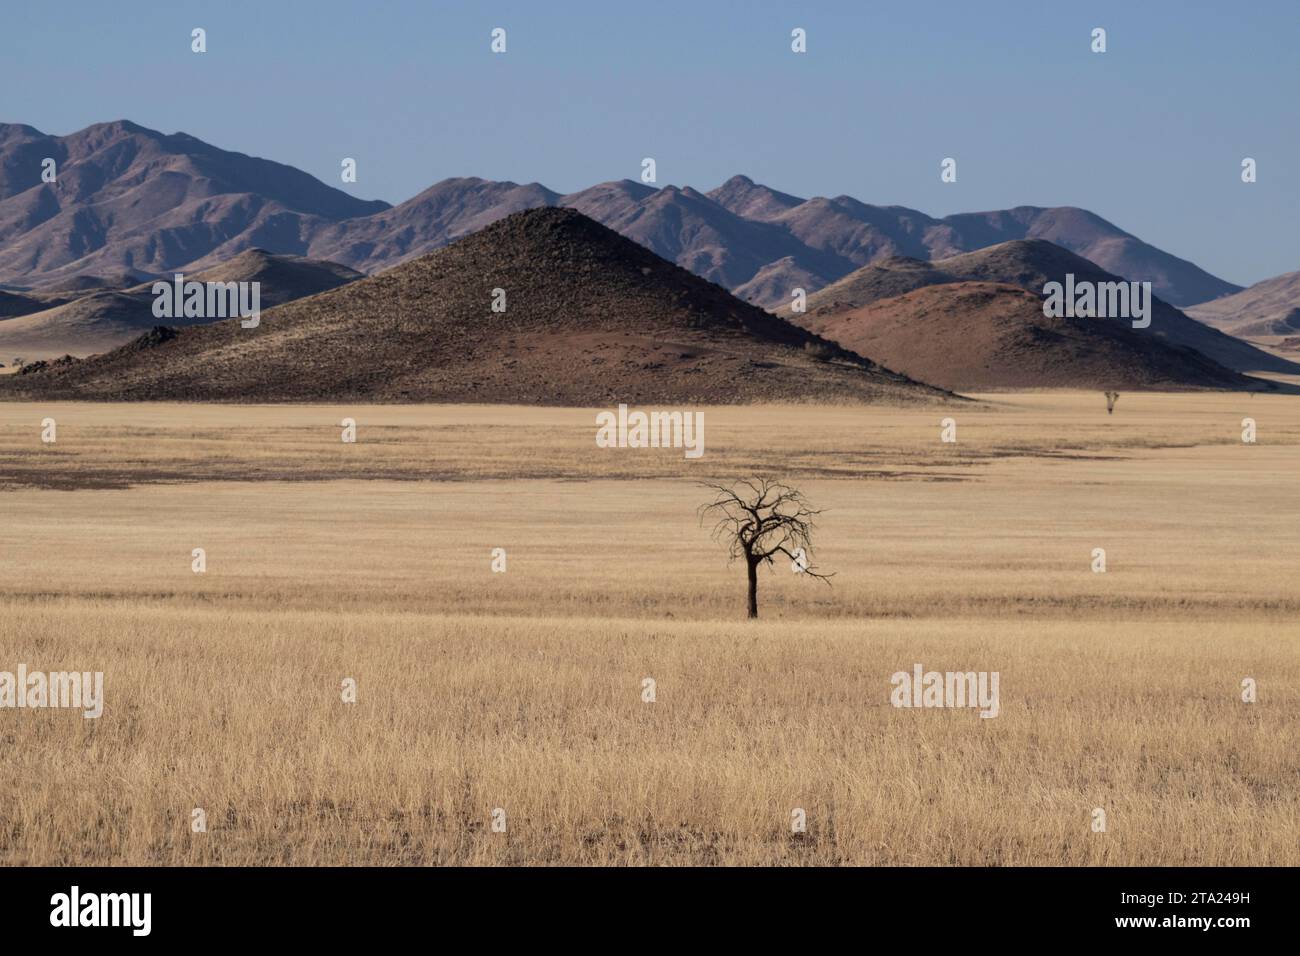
{"type": "Point", "coordinates": [1030, 264]}
{"type": "Point", "coordinates": [977, 336]}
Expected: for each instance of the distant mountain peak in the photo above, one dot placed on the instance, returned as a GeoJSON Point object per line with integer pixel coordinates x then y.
{"type": "Point", "coordinates": [124, 126]}
{"type": "Point", "coordinates": [18, 129]}
{"type": "Point", "coordinates": [132, 198]}
{"type": "Point", "coordinates": [744, 197]}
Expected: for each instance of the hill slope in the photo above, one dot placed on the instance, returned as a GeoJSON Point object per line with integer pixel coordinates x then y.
{"type": "Point", "coordinates": [15, 303]}
{"type": "Point", "coordinates": [83, 284]}
{"type": "Point", "coordinates": [983, 336]}
{"type": "Point", "coordinates": [104, 320]}
{"type": "Point", "coordinates": [441, 214]}
{"type": "Point", "coordinates": [1266, 309]}
{"type": "Point", "coordinates": [1029, 264]}
{"type": "Point", "coordinates": [1086, 234]}
{"type": "Point", "coordinates": [591, 319]}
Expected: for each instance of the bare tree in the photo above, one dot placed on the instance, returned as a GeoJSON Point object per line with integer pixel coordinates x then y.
{"type": "Point", "coordinates": [1111, 399]}
{"type": "Point", "coordinates": [757, 519]}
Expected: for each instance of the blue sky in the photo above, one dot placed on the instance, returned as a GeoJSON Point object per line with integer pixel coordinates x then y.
{"type": "Point", "coordinates": [1149, 135]}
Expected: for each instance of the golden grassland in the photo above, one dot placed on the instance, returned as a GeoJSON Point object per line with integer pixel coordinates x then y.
{"type": "Point", "coordinates": [523, 690]}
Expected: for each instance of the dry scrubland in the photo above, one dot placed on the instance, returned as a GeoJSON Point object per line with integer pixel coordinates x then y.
{"type": "Point", "coordinates": [523, 690]}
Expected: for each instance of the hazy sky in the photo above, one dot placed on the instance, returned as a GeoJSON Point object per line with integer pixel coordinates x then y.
{"type": "Point", "coordinates": [1149, 135]}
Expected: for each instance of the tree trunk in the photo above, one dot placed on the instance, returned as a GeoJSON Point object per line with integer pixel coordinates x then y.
{"type": "Point", "coordinates": [753, 588]}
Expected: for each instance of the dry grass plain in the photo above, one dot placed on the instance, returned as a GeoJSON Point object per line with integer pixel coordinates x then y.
{"type": "Point", "coordinates": [523, 690]}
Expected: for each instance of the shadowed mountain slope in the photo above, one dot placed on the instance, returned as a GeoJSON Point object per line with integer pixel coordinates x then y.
{"type": "Point", "coordinates": [15, 303]}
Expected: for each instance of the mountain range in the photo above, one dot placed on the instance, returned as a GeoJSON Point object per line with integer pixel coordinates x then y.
{"type": "Point", "coordinates": [130, 199]}
{"type": "Point", "coordinates": [953, 302]}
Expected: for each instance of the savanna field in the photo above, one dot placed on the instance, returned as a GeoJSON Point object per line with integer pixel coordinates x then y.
{"type": "Point", "coordinates": [523, 690]}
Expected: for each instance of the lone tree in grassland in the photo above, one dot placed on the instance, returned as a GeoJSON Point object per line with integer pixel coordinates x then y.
{"type": "Point", "coordinates": [1111, 399]}
{"type": "Point", "coordinates": [757, 519]}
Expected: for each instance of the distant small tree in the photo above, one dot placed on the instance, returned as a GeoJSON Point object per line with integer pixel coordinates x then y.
{"type": "Point", "coordinates": [756, 519]}
{"type": "Point", "coordinates": [19, 363]}
{"type": "Point", "coordinates": [1111, 399]}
